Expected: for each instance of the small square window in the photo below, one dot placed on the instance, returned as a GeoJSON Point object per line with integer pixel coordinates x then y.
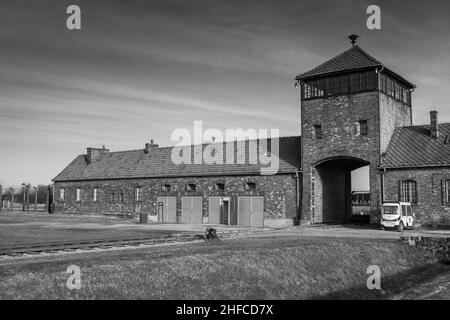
{"type": "Point", "coordinates": [317, 131]}
{"type": "Point", "coordinates": [191, 187]}
{"type": "Point", "coordinates": [166, 188]}
{"type": "Point", "coordinates": [363, 129]}
{"type": "Point", "coordinates": [250, 186]}
{"type": "Point", "coordinates": [220, 187]}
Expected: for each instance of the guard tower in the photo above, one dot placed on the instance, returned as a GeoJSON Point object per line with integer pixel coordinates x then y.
{"type": "Point", "coordinates": [350, 106]}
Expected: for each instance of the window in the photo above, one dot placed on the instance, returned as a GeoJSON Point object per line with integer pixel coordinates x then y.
{"type": "Point", "coordinates": [317, 131]}
{"type": "Point", "coordinates": [138, 195]}
{"type": "Point", "coordinates": [383, 83]}
{"type": "Point", "coordinates": [447, 191]}
{"type": "Point", "coordinates": [220, 187]}
{"type": "Point", "coordinates": [395, 89]}
{"type": "Point", "coordinates": [191, 187]}
{"type": "Point", "coordinates": [363, 130]}
{"type": "Point", "coordinates": [166, 188]}
{"type": "Point", "coordinates": [113, 197]}
{"type": "Point", "coordinates": [62, 194]}
{"type": "Point", "coordinates": [95, 194]}
{"type": "Point", "coordinates": [250, 186]}
{"type": "Point", "coordinates": [78, 195]}
{"type": "Point", "coordinates": [409, 191]}
{"type": "Point", "coordinates": [121, 197]}
{"type": "Point", "coordinates": [337, 85]}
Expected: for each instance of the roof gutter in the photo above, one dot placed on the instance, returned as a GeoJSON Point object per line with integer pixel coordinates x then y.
{"type": "Point", "coordinates": [414, 166]}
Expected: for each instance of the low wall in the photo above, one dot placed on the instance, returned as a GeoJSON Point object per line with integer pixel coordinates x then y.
{"type": "Point", "coordinates": [438, 244]}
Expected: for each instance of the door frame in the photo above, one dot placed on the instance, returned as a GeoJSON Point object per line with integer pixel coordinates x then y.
{"type": "Point", "coordinates": [228, 200]}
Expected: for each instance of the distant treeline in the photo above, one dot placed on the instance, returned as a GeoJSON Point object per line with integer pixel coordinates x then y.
{"type": "Point", "coordinates": [19, 193]}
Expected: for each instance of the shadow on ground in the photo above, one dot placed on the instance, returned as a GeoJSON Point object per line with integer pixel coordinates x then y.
{"type": "Point", "coordinates": [410, 284]}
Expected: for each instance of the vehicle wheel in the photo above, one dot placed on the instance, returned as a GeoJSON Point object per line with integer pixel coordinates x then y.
{"type": "Point", "coordinates": [382, 228]}
{"type": "Point", "coordinates": [400, 227]}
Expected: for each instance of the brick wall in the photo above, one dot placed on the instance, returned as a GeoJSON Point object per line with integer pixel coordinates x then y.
{"type": "Point", "coordinates": [393, 114]}
{"type": "Point", "coordinates": [338, 117]}
{"type": "Point", "coordinates": [279, 192]}
{"type": "Point", "coordinates": [431, 207]}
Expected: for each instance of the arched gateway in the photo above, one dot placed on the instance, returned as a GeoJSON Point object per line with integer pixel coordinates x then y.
{"type": "Point", "coordinates": [332, 189]}
{"type": "Point", "coordinates": [350, 107]}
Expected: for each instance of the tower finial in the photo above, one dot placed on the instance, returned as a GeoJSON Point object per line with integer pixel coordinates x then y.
{"type": "Point", "coordinates": [353, 38]}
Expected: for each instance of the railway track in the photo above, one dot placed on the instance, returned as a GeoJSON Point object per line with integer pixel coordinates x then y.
{"type": "Point", "coordinates": [68, 246]}
{"type": "Point", "coordinates": [91, 244]}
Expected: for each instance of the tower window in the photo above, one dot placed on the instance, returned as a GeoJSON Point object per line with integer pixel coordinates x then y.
{"type": "Point", "coordinates": [318, 131]}
{"type": "Point", "coordinates": [337, 85]}
{"type": "Point", "coordinates": [363, 129]}
{"type": "Point", "coordinates": [409, 191]}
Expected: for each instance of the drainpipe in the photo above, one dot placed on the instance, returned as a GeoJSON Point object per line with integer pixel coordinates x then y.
{"type": "Point", "coordinates": [297, 195]}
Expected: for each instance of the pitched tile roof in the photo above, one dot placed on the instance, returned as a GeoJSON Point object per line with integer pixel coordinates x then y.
{"type": "Point", "coordinates": [351, 59]}
{"type": "Point", "coordinates": [414, 147]}
{"type": "Point", "coordinates": [158, 163]}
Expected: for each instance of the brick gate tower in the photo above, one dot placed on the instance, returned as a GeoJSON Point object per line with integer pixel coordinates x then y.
{"type": "Point", "coordinates": [350, 106]}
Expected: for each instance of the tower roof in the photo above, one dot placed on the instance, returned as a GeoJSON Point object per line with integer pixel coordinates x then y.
{"type": "Point", "coordinates": [354, 58]}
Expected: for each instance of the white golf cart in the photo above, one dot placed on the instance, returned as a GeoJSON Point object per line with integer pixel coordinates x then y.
{"type": "Point", "coordinates": [397, 215]}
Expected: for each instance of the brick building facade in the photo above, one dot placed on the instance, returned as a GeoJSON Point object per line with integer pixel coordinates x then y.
{"type": "Point", "coordinates": [355, 112]}
{"type": "Point", "coordinates": [102, 182]}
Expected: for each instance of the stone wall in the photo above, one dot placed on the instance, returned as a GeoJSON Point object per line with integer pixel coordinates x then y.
{"type": "Point", "coordinates": [431, 207]}
{"type": "Point", "coordinates": [439, 245]}
{"type": "Point", "coordinates": [279, 193]}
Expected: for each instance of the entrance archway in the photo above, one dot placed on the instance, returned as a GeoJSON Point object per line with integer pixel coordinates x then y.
{"type": "Point", "coordinates": [332, 189]}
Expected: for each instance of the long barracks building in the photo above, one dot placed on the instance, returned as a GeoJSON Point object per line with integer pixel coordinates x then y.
{"type": "Point", "coordinates": [355, 112]}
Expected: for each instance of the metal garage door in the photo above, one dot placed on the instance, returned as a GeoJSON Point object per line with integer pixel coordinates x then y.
{"type": "Point", "coordinates": [167, 212]}
{"type": "Point", "coordinates": [214, 210]}
{"type": "Point", "coordinates": [191, 210]}
{"type": "Point", "coordinates": [251, 211]}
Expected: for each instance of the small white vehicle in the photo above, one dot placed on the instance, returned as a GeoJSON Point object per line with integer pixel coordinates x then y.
{"type": "Point", "coordinates": [397, 215]}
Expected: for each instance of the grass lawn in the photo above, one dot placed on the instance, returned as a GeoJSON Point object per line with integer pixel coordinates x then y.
{"type": "Point", "coordinates": [282, 267]}
{"type": "Point", "coordinates": [24, 228]}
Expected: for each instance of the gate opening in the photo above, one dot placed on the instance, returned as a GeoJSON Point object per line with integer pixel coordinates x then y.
{"type": "Point", "coordinates": [333, 189]}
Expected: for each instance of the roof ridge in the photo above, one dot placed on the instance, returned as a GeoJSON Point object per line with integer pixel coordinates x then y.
{"type": "Point", "coordinates": [424, 125]}
{"type": "Point", "coordinates": [203, 144]}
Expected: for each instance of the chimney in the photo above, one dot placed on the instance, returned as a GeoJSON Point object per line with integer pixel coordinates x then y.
{"type": "Point", "coordinates": [92, 154]}
{"type": "Point", "coordinates": [150, 146]}
{"type": "Point", "coordinates": [434, 128]}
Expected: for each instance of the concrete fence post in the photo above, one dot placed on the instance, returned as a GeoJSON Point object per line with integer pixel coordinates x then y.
{"type": "Point", "coordinates": [12, 199]}
{"type": "Point", "coordinates": [35, 198]}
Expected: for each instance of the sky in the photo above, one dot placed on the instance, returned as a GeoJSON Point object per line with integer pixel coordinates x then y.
{"type": "Point", "coordinates": [138, 70]}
